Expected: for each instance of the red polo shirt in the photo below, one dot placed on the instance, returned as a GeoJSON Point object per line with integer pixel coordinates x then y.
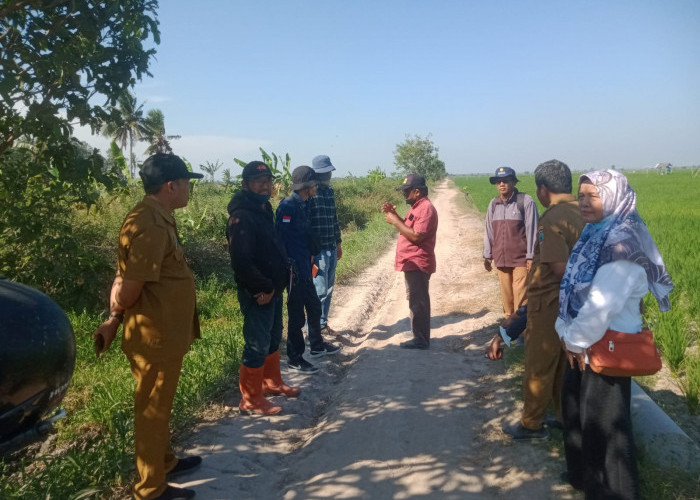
{"type": "Point", "coordinates": [423, 218]}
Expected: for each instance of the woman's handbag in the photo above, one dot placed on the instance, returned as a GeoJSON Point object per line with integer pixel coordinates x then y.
{"type": "Point", "coordinates": [620, 354]}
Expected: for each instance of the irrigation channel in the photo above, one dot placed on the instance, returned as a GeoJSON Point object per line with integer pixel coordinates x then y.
{"type": "Point", "coordinates": [378, 421]}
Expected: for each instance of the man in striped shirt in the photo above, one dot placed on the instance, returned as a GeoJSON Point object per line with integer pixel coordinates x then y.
{"type": "Point", "coordinates": [324, 223]}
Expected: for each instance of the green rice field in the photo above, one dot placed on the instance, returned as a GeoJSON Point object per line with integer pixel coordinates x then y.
{"type": "Point", "coordinates": [669, 206]}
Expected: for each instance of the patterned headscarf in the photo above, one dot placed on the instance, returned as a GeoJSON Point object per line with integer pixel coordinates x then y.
{"type": "Point", "coordinates": [621, 235]}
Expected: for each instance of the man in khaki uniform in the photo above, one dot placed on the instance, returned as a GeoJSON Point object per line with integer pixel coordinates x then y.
{"type": "Point", "coordinates": [558, 230]}
{"type": "Point", "coordinates": [154, 295]}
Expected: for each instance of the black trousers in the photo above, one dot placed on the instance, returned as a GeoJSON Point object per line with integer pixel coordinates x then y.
{"type": "Point", "coordinates": [302, 297]}
{"type": "Point", "coordinates": [417, 293]}
{"type": "Point", "coordinates": [598, 440]}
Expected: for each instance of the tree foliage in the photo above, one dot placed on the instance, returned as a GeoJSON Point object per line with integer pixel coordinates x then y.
{"type": "Point", "coordinates": [58, 57]}
{"type": "Point", "coordinates": [158, 140]}
{"type": "Point", "coordinates": [62, 63]}
{"type": "Point", "coordinates": [126, 125]}
{"type": "Point", "coordinates": [419, 155]}
{"type": "Point", "coordinates": [211, 168]}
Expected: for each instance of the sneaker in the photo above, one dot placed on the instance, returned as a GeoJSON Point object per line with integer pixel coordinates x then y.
{"type": "Point", "coordinates": [520, 433]}
{"type": "Point", "coordinates": [184, 466]}
{"type": "Point", "coordinates": [302, 366]}
{"type": "Point", "coordinates": [326, 349]}
{"type": "Point", "coordinates": [413, 344]}
{"type": "Point", "coordinates": [175, 493]}
{"type": "Point", "coordinates": [328, 331]}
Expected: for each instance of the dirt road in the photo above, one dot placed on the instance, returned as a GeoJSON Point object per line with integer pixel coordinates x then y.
{"type": "Point", "coordinates": [380, 422]}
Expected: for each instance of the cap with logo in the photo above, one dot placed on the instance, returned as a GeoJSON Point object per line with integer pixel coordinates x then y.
{"type": "Point", "coordinates": [165, 167]}
{"type": "Point", "coordinates": [256, 169]}
{"type": "Point", "coordinates": [501, 173]}
{"type": "Point", "coordinates": [412, 181]}
{"type": "Point", "coordinates": [322, 164]}
{"type": "Point", "coordinates": [303, 177]}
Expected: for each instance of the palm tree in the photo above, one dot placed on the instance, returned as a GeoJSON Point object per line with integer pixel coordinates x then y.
{"type": "Point", "coordinates": [155, 135]}
{"type": "Point", "coordinates": [127, 125]}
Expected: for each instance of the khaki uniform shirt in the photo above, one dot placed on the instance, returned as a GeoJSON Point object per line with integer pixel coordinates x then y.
{"type": "Point", "coordinates": [558, 230]}
{"type": "Point", "coordinates": [163, 322]}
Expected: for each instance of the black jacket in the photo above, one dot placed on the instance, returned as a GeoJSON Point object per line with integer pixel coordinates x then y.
{"type": "Point", "coordinates": [258, 259]}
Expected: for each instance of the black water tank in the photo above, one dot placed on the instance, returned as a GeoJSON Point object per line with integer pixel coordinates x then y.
{"type": "Point", "coordinates": [37, 356]}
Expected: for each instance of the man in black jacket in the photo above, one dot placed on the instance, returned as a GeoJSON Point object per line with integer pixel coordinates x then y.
{"type": "Point", "coordinates": [261, 271]}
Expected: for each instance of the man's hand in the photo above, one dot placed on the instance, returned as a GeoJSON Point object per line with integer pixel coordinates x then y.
{"type": "Point", "coordinates": [487, 265]}
{"type": "Point", "coordinates": [105, 335]}
{"type": "Point", "coordinates": [388, 207]}
{"type": "Point", "coordinates": [392, 218]}
{"type": "Point", "coordinates": [528, 264]}
{"type": "Point", "coordinates": [263, 298]}
{"type": "Point", "coordinates": [494, 351]}
{"type": "Point", "coordinates": [339, 251]}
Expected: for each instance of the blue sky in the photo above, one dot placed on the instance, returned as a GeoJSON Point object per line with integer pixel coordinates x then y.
{"type": "Point", "coordinates": [592, 83]}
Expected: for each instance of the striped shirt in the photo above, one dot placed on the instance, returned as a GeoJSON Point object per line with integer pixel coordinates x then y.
{"type": "Point", "coordinates": [323, 217]}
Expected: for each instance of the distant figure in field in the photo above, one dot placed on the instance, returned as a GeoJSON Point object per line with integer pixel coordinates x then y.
{"type": "Point", "coordinates": [260, 267]}
{"type": "Point", "coordinates": [557, 232]}
{"type": "Point", "coordinates": [324, 223]}
{"type": "Point", "coordinates": [509, 238]}
{"type": "Point", "coordinates": [611, 268]}
{"type": "Point", "coordinates": [415, 254]}
{"type": "Point", "coordinates": [154, 295]}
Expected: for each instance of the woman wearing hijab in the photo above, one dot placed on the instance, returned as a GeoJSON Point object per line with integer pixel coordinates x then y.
{"type": "Point", "coordinates": [613, 265]}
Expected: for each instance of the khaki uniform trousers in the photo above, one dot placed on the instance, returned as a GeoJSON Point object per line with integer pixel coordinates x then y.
{"type": "Point", "coordinates": [156, 384]}
{"type": "Point", "coordinates": [545, 363]}
{"type": "Point", "coordinates": [513, 287]}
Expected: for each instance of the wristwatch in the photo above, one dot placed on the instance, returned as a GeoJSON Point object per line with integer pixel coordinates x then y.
{"type": "Point", "coordinates": [119, 316]}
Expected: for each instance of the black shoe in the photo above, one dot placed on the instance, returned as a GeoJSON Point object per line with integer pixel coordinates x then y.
{"type": "Point", "coordinates": [184, 466]}
{"type": "Point", "coordinates": [552, 422]}
{"type": "Point", "coordinates": [302, 366]}
{"type": "Point", "coordinates": [325, 350]}
{"type": "Point", "coordinates": [175, 493]}
{"type": "Point", "coordinates": [520, 433]}
{"type": "Point", "coordinates": [413, 344]}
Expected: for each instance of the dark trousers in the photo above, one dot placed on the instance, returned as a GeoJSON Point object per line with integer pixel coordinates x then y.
{"type": "Point", "coordinates": [262, 328]}
{"type": "Point", "coordinates": [417, 293]}
{"type": "Point", "coordinates": [302, 297]}
{"type": "Point", "coordinates": [598, 440]}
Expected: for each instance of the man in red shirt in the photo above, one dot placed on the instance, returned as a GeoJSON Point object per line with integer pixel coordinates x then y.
{"type": "Point", "coordinates": [415, 254]}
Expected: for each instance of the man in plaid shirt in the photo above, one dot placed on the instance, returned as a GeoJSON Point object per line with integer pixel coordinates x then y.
{"type": "Point", "coordinates": [324, 223]}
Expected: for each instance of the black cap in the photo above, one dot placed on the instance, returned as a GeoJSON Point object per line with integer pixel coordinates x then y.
{"type": "Point", "coordinates": [164, 167]}
{"type": "Point", "coordinates": [256, 169]}
{"type": "Point", "coordinates": [303, 177]}
{"type": "Point", "coordinates": [412, 181]}
{"type": "Point", "coordinates": [501, 173]}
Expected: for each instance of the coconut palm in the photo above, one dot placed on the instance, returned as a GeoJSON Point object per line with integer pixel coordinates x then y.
{"type": "Point", "coordinates": [155, 135]}
{"type": "Point", "coordinates": [127, 125]}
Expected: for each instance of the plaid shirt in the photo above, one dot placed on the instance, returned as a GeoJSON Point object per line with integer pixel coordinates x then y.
{"type": "Point", "coordinates": [323, 217]}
